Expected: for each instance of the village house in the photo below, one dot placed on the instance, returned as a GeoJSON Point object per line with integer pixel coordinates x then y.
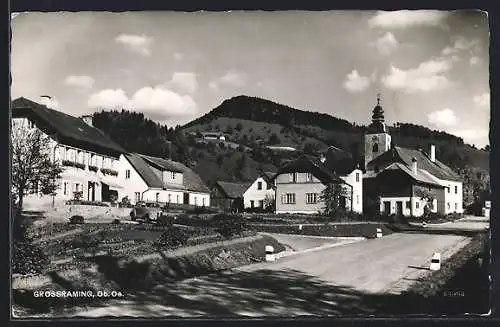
{"type": "Point", "coordinates": [228, 196]}
{"type": "Point", "coordinates": [89, 158]}
{"type": "Point", "coordinates": [151, 179]}
{"type": "Point", "coordinates": [261, 193]}
{"type": "Point", "coordinates": [403, 181]}
{"type": "Point", "coordinates": [301, 182]}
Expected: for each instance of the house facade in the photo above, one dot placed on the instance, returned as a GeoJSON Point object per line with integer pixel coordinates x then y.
{"type": "Point", "coordinates": [403, 181]}
{"type": "Point", "coordinates": [228, 196]}
{"type": "Point", "coordinates": [261, 193]}
{"type": "Point", "coordinates": [90, 160]}
{"type": "Point", "coordinates": [301, 182]}
{"type": "Point", "coordinates": [151, 179]}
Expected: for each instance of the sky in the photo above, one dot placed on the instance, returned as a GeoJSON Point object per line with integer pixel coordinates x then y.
{"type": "Point", "coordinates": [430, 67]}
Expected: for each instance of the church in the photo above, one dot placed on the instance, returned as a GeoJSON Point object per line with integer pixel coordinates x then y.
{"type": "Point", "coordinates": [403, 181]}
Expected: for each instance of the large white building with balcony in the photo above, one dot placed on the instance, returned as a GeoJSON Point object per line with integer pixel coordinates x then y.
{"type": "Point", "coordinates": [90, 159]}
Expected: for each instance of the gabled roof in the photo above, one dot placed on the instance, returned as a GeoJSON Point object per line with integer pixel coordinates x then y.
{"type": "Point", "coordinates": [233, 190]}
{"type": "Point", "coordinates": [421, 177]}
{"type": "Point", "coordinates": [268, 176]}
{"type": "Point", "coordinates": [339, 161]}
{"type": "Point", "coordinates": [142, 164]}
{"type": "Point", "coordinates": [405, 156]}
{"type": "Point", "coordinates": [64, 128]}
{"type": "Point", "coordinates": [307, 164]}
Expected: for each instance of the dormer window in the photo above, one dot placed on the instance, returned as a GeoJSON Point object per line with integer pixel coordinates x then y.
{"type": "Point", "coordinates": [375, 147]}
{"type": "Point", "coordinates": [173, 175]}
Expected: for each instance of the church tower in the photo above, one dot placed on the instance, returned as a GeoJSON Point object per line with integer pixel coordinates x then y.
{"type": "Point", "coordinates": [377, 139]}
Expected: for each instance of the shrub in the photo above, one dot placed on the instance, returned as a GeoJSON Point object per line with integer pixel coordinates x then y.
{"type": "Point", "coordinates": [165, 220]}
{"type": "Point", "coordinates": [86, 242]}
{"type": "Point", "coordinates": [77, 195]}
{"type": "Point", "coordinates": [76, 220]}
{"type": "Point", "coordinates": [28, 258]}
{"type": "Point", "coordinates": [116, 221]}
{"type": "Point", "coordinates": [201, 210]}
{"type": "Point", "coordinates": [172, 238]}
{"type": "Point", "coordinates": [229, 225]}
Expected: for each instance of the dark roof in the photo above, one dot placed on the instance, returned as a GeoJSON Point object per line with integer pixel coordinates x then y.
{"type": "Point", "coordinates": [339, 161]}
{"type": "Point", "coordinates": [142, 164]}
{"type": "Point", "coordinates": [405, 156]}
{"type": "Point", "coordinates": [308, 164]}
{"type": "Point", "coordinates": [64, 128]}
{"type": "Point", "coordinates": [421, 177]}
{"type": "Point", "coordinates": [233, 190]}
{"type": "Point", "coordinates": [268, 176]}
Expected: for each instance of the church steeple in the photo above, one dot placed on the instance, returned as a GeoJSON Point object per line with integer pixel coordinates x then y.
{"type": "Point", "coordinates": [378, 119]}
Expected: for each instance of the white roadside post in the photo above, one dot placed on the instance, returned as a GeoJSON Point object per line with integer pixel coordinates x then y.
{"type": "Point", "coordinates": [379, 232]}
{"type": "Point", "coordinates": [300, 227]}
{"type": "Point", "coordinates": [270, 253]}
{"type": "Point", "coordinates": [435, 262]}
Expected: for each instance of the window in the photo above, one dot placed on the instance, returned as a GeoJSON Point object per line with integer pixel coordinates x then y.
{"type": "Point", "coordinates": [261, 203]}
{"type": "Point", "coordinates": [157, 197]}
{"type": "Point", "coordinates": [169, 198]}
{"type": "Point", "coordinates": [289, 198]}
{"type": "Point", "coordinates": [203, 201]}
{"type": "Point", "coordinates": [448, 188]}
{"type": "Point", "coordinates": [309, 177]}
{"type": "Point", "coordinates": [448, 205]}
{"type": "Point", "coordinates": [77, 187]}
{"type": "Point", "coordinates": [259, 185]}
{"type": "Point", "coordinates": [65, 188]}
{"type": "Point", "coordinates": [375, 147]}
{"type": "Point", "coordinates": [195, 201]}
{"type": "Point", "coordinates": [357, 177]}
{"type": "Point", "coordinates": [127, 174]}
{"type": "Point", "coordinates": [311, 198]}
{"type": "Point", "coordinates": [177, 198]}
{"type": "Point", "coordinates": [417, 205]}
{"type": "Point", "coordinates": [137, 197]}
{"type": "Point", "coordinates": [456, 190]}
{"type": "Point", "coordinates": [293, 177]}
{"type": "Point", "coordinates": [357, 199]}
{"type": "Point", "coordinates": [30, 124]}
{"type": "Point", "coordinates": [252, 204]}
{"type": "Point", "coordinates": [408, 205]}
{"type": "Point", "coordinates": [456, 206]}
{"type": "Point", "coordinates": [173, 175]}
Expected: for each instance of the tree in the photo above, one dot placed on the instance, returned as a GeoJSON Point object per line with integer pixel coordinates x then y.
{"type": "Point", "coordinates": [331, 197]}
{"type": "Point", "coordinates": [428, 198]}
{"type": "Point", "coordinates": [33, 171]}
{"type": "Point", "coordinates": [269, 203]}
{"type": "Point", "coordinates": [239, 127]}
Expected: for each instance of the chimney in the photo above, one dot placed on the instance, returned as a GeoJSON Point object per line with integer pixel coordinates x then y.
{"type": "Point", "coordinates": [433, 153]}
{"type": "Point", "coordinates": [88, 119]}
{"type": "Point", "coordinates": [414, 166]}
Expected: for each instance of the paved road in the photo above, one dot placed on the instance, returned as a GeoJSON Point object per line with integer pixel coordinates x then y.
{"type": "Point", "coordinates": [336, 280]}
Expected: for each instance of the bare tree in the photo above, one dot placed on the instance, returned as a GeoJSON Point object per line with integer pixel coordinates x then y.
{"type": "Point", "coordinates": [33, 170]}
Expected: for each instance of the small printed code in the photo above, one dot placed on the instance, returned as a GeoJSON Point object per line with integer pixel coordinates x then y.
{"type": "Point", "coordinates": [77, 294]}
{"type": "Point", "coordinates": [454, 293]}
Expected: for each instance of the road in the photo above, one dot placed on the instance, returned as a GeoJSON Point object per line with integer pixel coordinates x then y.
{"type": "Point", "coordinates": [351, 278]}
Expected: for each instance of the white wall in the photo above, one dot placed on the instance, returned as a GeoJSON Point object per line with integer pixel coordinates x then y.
{"type": "Point", "coordinates": [417, 204]}
{"type": "Point", "coordinates": [453, 201]}
{"type": "Point", "coordinates": [199, 199]}
{"type": "Point", "coordinates": [355, 178]}
{"type": "Point", "coordinates": [256, 195]}
{"type": "Point", "coordinates": [300, 190]}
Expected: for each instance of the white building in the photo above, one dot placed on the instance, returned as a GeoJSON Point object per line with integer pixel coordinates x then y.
{"type": "Point", "coordinates": [404, 179]}
{"type": "Point", "coordinates": [260, 192]}
{"type": "Point", "coordinates": [89, 158]}
{"type": "Point", "coordinates": [300, 183]}
{"type": "Point", "coordinates": [152, 179]}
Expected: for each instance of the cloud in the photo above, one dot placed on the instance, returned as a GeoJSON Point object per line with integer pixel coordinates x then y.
{"type": "Point", "coordinates": [428, 76]}
{"type": "Point", "coordinates": [407, 18]}
{"type": "Point", "coordinates": [482, 100]}
{"type": "Point", "coordinates": [178, 56]}
{"type": "Point", "coordinates": [51, 103]}
{"type": "Point", "coordinates": [185, 82]}
{"type": "Point", "coordinates": [474, 60]}
{"type": "Point", "coordinates": [386, 44]}
{"type": "Point", "coordinates": [460, 44]}
{"type": "Point", "coordinates": [477, 136]}
{"type": "Point", "coordinates": [231, 78]}
{"type": "Point", "coordinates": [356, 83]}
{"type": "Point", "coordinates": [157, 103]}
{"type": "Point", "coordinates": [81, 81]}
{"type": "Point", "coordinates": [441, 118]}
{"type": "Point", "coordinates": [138, 43]}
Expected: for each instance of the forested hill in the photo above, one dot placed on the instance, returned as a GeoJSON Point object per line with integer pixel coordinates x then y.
{"type": "Point", "coordinates": [261, 110]}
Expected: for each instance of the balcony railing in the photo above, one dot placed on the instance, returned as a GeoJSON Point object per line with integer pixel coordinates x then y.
{"type": "Point", "coordinates": [107, 171]}
{"type": "Point", "coordinates": [69, 163]}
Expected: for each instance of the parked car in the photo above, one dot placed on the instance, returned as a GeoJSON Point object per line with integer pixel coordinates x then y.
{"type": "Point", "coordinates": [140, 213]}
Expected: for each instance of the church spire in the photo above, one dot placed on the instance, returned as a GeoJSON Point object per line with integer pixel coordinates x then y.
{"type": "Point", "coordinates": [378, 119]}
